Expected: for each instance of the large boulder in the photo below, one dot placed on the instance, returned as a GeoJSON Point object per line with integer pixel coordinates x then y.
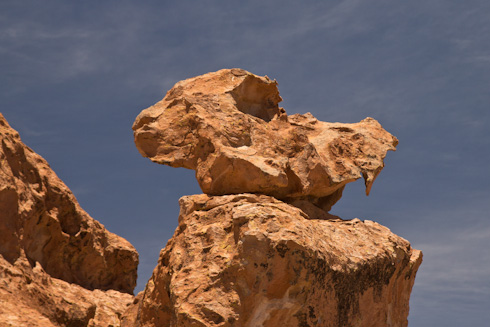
{"type": "Point", "coordinates": [250, 260]}
{"type": "Point", "coordinates": [228, 126]}
{"type": "Point", "coordinates": [41, 221]}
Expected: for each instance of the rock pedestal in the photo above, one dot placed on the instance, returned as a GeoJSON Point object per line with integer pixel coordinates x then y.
{"type": "Point", "coordinates": [250, 260]}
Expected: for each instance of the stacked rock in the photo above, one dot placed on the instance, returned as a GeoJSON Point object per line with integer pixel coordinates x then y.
{"type": "Point", "coordinates": [259, 248]}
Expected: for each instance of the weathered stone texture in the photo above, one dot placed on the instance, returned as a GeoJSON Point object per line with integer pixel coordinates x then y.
{"type": "Point", "coordinates": [41, 218]}
{"type": "Point", "coordinates": [228, 126]}
{"type": "Point", "coordinates": [275, 257]}
{"type": "Point", "coordinates": [250, 260]}
{"type": "Point", "coordinates": [30, 297]}
{"type": "Point", "coordinates": [259, 249]}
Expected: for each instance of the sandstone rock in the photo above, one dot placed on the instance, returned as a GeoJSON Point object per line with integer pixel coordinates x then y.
{"type": "Point", "coordinates": [250, 260]}
{"type": "Point", "coordinates": [41, 220]}
{"type": "Point", "coordinates": [228, 126]}
{"type": "Point", "coordinates": [29, 297]}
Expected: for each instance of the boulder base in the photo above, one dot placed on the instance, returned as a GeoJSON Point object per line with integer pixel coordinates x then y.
{"type": "Point", "coordinates": [249, 260]}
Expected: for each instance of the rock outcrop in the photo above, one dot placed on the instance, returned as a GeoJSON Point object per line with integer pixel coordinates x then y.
{"type": "Point", "coordinates": [252, 260]}
{"type": "Point", "coordinates": [228, 126]}
{"type": "Point", "coordinates": [30, 297]}
{"type": "Point", "coordinates": [58, 266]}
{"type": "Point", "coordinates": [275, 257]}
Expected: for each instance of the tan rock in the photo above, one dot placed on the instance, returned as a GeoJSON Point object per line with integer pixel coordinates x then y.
{"type": "Point", "coordinates": [29, 297]}
{"type": "Point", "coordinates": [41, 220]}
{"type": "Point", "coordinates": [235, 260]}
{"type": "Point", "coordinates": [249, 260]}
{"type": "Point", "coordinates": [228, 126]}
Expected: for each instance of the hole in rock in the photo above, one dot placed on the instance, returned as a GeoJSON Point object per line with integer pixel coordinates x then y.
{"type": "Point", "coordinates": [257, 98]}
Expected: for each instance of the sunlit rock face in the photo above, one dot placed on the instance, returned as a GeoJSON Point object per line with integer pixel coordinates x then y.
{"type": "Point", "coordinates": [42, 220]}
{"type": "Point", "coordinates": [228, 126]}
{"type": "Point", "coordinates": [252, 260]}
{"type": "Point", "coordinates": [58, 266]}
{"type": "Point", "coordinates": [30, 297]}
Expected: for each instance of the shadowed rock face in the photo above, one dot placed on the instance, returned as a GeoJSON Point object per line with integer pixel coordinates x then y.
{"type": "Point", "coordinates": [228, 126]}
{"type": "Point", "coordinates": [42, 222]}
{"type": "Point", "coordinates": [249, 260]}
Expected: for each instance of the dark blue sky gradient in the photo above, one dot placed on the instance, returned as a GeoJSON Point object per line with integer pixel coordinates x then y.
{"type": "Point", "coordinates": [74, 75]}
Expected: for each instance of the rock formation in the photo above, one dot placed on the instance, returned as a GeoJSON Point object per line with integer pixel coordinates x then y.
{"type": "Point", "coordinates": [30, 297]}
{"type": "Point", "coordinates": [275, 257]}
{"type": "Point", "coordinates": [252, 260]}
{"type": "Point", "coordinates": [258, 249]}
{"type": "Point", "coordinates": [58, 266]}
{"type": "Point", "coordinates": [228, 126]}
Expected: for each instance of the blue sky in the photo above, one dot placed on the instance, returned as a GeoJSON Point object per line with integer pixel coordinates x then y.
{"type": "Point", "coordinates": [74, 75]}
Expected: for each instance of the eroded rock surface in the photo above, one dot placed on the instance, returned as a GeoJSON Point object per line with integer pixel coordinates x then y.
{"type": "Point", "coordinates": [228, 126]}
{"type": "Point", "coordinates": [30, 297]}
{"type": "Point", "coordinates": [250, 260]}
{"type": "Point", "coordinates": [58, 266]}
{"type": "Point", "coordinates": [41, 218]}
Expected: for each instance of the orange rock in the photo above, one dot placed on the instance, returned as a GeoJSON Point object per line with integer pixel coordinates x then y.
{"type": "Point", "coordinates": [250, 260]}
{"type": "Point", "coordinates": [30, 297]}
{"type": "Point", "coordinates": [228, 126]}
{"type": "Point", "coordinates": [41, 218]}
{"type": "Point", "coordinates": [58, 266]}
